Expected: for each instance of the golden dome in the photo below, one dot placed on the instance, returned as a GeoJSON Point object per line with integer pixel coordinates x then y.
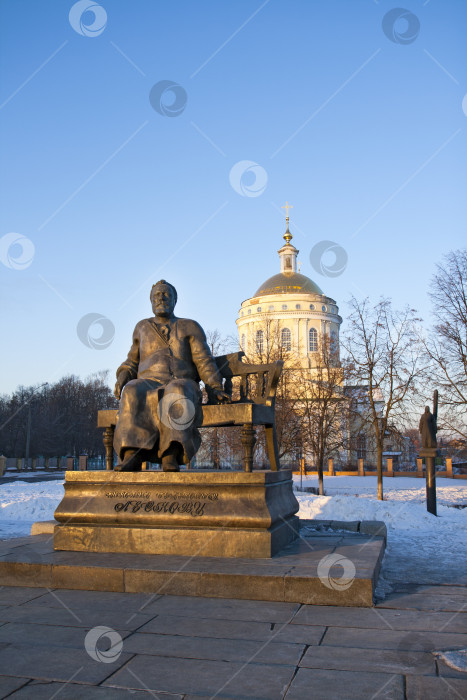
{"type": "Point", "coordinates": [288, 283]}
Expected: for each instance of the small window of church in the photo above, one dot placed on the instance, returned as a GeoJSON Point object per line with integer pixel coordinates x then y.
{"type": "Point", "coordinates": [298, 306]}
{"type": "Point", "coordinates": [271, 308]}
{"type": "Point", "coordinates": [312, 306]}
{"type": "Point", "coordinates": [284, 307]}
{"type": "Point", "coordinates": [288, 263]}
{"type": "Point", "coordinates": [313, 340]}
{"type": "Point", "coordinates": [259, 341]}
{"type": "Point", "coordinates": [249, 311]}
{"type": "Point", "coordinates": [286, 340]}
{"type": "Point", "coordinates": [323, 308]}
{"type": "Point", "coordinates": [258, 309]}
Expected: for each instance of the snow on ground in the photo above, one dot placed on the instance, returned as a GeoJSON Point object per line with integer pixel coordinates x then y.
{"type": "Point", "coordinates": [421, 547]}
{"type": "Point", "coordinates": [22, 503]}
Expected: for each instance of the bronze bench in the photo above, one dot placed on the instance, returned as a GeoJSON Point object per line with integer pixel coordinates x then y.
{"type": "Point", "coordinates": [255, 406]}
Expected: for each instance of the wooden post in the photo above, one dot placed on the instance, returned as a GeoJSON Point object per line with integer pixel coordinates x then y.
{"type": "Point", "coordinates": [331, 466]}
{"type": "Point", "coordinates": [420, 468]}
{"type": "Point", "coordinates": [248, 441]}
{"type": "Point", "coordinates": [108, 440]}
{"type": "Point", "coordinates": [389, 467]}
{"type": "Point", "coordinates": [449, 473]}
{"type": "Point", "coordinates": [361, 471]}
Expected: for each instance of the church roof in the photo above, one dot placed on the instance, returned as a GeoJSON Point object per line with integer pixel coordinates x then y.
{"type": "Point", "coordinates": [288, 283]}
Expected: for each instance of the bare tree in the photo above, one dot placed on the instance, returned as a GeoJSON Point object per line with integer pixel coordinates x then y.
{"type": "Point", "coordinates": [384, 352]}
{"type": "Point", "coordinates": [447, 345]}
{"type": "Point", "coordinates": [265, 349]}
{"type": "Point", "coordinates": [323, 404]}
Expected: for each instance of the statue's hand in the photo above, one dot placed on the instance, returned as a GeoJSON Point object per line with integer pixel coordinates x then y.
{"type": "Point", "coordinates": [222, 396]}
{"type": "Point", "coordinates": [122, 379]}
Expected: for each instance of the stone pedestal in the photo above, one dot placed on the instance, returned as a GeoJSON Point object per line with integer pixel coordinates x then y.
{"type": "Point", "coordinates": [194, 513]}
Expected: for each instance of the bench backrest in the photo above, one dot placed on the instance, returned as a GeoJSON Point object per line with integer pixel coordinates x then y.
{"type": "Point", "coordinates": [258, 383]}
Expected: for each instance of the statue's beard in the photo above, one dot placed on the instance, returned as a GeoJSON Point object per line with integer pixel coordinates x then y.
{"type": "Point", "coordinates": [163, 313]}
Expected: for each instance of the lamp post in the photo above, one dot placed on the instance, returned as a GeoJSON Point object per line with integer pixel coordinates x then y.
{"type": "Point", "coordinates": [428, 429]}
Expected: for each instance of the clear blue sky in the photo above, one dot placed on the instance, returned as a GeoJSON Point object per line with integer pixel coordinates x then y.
{"type": "Point", "coordinates": [364, 135]}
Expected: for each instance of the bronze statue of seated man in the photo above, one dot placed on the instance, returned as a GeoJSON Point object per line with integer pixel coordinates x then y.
{"type": "Point", "coordinates": [158, 388]}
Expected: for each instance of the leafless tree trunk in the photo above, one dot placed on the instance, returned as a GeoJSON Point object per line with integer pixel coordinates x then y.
{"type": "Point", "coordinates": [323, 404]}
{"type": "Point", "coordinates": [384, 352]}
{"type": "Point", "coordinates": [446, 347]}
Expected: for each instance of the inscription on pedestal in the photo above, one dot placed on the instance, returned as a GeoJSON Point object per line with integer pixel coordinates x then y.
{"type": "Point", "coordinates": [190, 503]}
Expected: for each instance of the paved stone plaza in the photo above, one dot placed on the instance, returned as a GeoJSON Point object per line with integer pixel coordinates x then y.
{"type": "Point", "coordinates": [187, 647]}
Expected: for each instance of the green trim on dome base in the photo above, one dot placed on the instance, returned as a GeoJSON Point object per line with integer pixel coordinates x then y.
{"type": "Point", "coordinates": [283, 283]}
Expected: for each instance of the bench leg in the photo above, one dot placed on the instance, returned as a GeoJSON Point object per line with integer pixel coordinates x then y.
{"type": "Point", "coordinates": [248, 442]}
{"type": "Point", "coordinates": [271, 446]}
{"type": "Point", "coordinates": [109, 446]}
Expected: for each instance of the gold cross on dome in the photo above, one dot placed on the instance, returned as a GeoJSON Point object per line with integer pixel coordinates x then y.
{"type": "Point", "coordinates": [287, 206]}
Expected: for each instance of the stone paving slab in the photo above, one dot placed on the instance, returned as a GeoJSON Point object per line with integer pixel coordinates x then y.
{"type": "Point", "coordinates": [46, 690]}
{"type": "Point", "coordinates": [424, 688]}
{"type": "Point", "coordinates": [409, 620]}
{"type": "Point", "coordinates": [31, 634]}
{"type": "Point", "coordinates": [90, 600]}
{"type": "Point", "coordinates": [435, 601]}
{"type": "Point", "coordinates": [221, 629]}
{"type": "Point", "coordinates": [392, 639]}
{"type": "Point", "coordinates": [219, 678]}
{"type": "Point", "coordinates": [75, 617]}
{"type": "Point", "coordinates": [224, 609]}
{"type": "Point", "coordinates": [61, 665]}
{"type": "Point", "coordinates": [380, 660]}
{"type": "Point", "coordinates": [215, 649]}
{"type": "Point", "coordinates": [10, 683]}
{"type": "Point", "coordinates": [16, 594]}
{"type": "Point", "coordinates": [351, 685]}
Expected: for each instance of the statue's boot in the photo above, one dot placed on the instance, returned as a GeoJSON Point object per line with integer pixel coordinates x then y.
{"type": "Point", "coordinates": [132, 461]}
{"type": "Point", "coordinates": [170, 463]}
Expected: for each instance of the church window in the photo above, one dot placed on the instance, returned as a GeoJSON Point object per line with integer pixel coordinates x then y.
{"type": "Point", "coordinates": [286, 340]}
{"type": "Point", "coordinates": [259, 341]}
{"type": "Point", "coordinates": [271, 308]}
{"type": "Point", "coordinates": [284, 307]}
{"type": "Point", "coordinates": [312, 306]}
{"type": "Point", "coordinates": [258, 309]}
{"type": "Point", "coordinates": [288, 262]}
{"type": "Point", "coordinates": [249, 311]}
{"type": "Point", "coordinates": [323, 308]}
{"type": "Point", "coordinates": [298, 306]}
{"type": "Point", "coordinates": [313, 340]}
{"type": "Point", "coordinates": [334, 340]}
{"type": "Point", "coordinates": [361, 447]}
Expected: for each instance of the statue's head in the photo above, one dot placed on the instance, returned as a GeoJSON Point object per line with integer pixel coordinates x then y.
{"type": "Point", "coordinates": [427, 409]}
{"type": "Point", "coordinates": [163, 298]}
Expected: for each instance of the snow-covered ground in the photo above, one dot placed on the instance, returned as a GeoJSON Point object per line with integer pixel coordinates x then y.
{"type": "Point", "coordinates": [421, 547]}
{"type": "Point", "coordinates": [22, 503]}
